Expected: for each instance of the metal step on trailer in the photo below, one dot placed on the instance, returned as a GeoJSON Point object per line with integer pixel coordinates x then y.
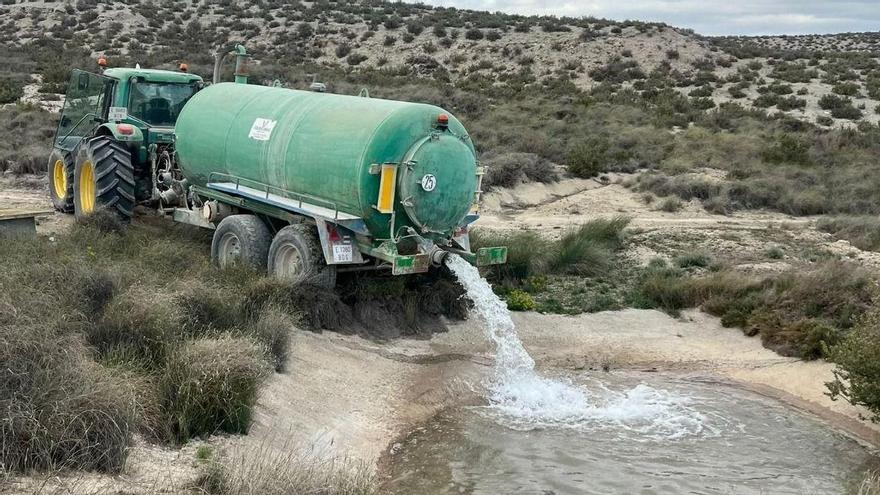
{"type": "Point", "coordinates": [14, 222]}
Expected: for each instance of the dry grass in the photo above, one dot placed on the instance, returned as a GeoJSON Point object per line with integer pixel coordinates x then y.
{"type": "Point", "coordinates": [210, 385]}
{"type": "Point", "coordinates": [870, 484]}
{"type": "Point", "coordinates": [267, 471]}
{"type": "Point", "coordinates": [60, 409]}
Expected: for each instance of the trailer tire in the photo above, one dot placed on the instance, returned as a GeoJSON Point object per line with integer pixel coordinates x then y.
{"type": "Point", "coordinates": [296, 256]}
{"type": "Point", "coordinates": [241, 240]}
{"type": "Point", "coordinates": [104, 178]}
{"type": "Point", "coordinates": [60, 172]}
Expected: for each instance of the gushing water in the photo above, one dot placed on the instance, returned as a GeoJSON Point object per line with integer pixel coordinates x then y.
{"type": "Point", "coordinates": [523, 399]}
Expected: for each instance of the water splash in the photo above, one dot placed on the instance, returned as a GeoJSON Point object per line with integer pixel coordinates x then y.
{"type": "Point", "coordinates": [523, 399]}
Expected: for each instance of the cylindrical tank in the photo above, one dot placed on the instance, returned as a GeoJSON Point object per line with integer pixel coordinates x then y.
{"type": "Point", "coordinates": [332, 147]}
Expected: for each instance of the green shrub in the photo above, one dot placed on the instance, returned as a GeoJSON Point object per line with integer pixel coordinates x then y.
{"type": "Point", "coordinates": [664, 288]}
{"type": "Point", "coordinates": [10, 91]}
{"type": "Point", "coordinates": [356, 59]}
{"type": "Point", "coordinates": [588, 250]}
{"type": "Point", "coordinates": [846, 89]}
{"type": "Point", "coordinates": [857, 374]}
{"type": "Point", "coordinates": [590, 157]}
{"type": "Point", "coordinates": [511, 169]}
{"type": "Point", "coordinates": [701, 92]}
{"type": "Point", "coordinates": [791, 103]}
{"type": "Point", "coordinates": [695, 259]}
{"type": "Point", "coordinates": [846, 112]}
{"type": "Point", "coordinates": [787, 148]}
{"type": "Point", "coordinates": [670, 205]}
{"type": "Point", "coordinates": [829, 102]}
{"type": "Point", "coordinates": [210, 385]}
{"type": "Point", "coordinates": [518, 300]}
{"type": "Point", "coordinates": [766, 100]}
{"type": "Point", "coordinates": [525, 250]}
{"type": "Point", "coordinates": [774, 253]}
{"type": "Point", "coordinates": [793, 72]}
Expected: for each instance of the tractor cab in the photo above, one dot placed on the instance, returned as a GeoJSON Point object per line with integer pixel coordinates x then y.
{"type": "Point", "coordinates": [121, 122]}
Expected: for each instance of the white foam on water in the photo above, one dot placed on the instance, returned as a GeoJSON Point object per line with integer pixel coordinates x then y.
{"type": "Point", "coordinates": [522, 399]}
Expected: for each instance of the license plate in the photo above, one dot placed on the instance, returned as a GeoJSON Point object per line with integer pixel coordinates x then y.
{"type": "Point", "coordinates": [343, 253]}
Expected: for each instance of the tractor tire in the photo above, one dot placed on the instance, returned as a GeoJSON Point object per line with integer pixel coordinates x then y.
{"type": "Point", "coordinates": [296, 256]}
{"type": "Point", "coordinates": [104, 178]}
{"type": "Point", "coordinates": [60, 174]}
{"type": "Point", "coordinates": [241, 240]}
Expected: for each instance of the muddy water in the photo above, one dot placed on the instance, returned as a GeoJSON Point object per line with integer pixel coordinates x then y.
{"type": "Point", "coordinates": [614, 433]}
{"type": "Point", "coordinates": [730, 441]}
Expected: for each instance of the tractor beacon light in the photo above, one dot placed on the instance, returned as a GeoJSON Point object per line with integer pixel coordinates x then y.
{"type": "Point", "coordinates": [102, 62]}
{"type": "Point", "coordinates": [183, 68]}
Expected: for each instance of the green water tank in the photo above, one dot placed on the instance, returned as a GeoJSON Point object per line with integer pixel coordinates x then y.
{"type": "Point", "coordinates": [333, 147]}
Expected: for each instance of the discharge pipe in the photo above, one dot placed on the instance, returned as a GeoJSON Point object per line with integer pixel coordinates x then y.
{"type": "Point", "coordinates": [241, 62]}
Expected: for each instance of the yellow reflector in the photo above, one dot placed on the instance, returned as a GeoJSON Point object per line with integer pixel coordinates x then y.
{"type": "Point", "coordinates": [386, 188]}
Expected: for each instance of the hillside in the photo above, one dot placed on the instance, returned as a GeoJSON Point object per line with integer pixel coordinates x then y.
{"type": "Point", "coordinates": [474, 50]}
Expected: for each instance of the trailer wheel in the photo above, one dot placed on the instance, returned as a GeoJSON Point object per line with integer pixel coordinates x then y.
{"type": "Point", "coordinates": [241, 240]}
{"type": "Point", "coordinates": [296, 256]}
{"type": "Point", "coordinates": [104, 178]}
{"type": "Point", "coordinates": [60, 173]}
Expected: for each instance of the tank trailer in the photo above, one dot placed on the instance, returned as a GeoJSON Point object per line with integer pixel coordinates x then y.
{"type": "Point", "coordinates": [301, 184]}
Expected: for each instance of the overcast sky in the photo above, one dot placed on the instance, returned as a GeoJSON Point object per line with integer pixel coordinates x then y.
{"type": "Point", "coordinates": [709, 17]}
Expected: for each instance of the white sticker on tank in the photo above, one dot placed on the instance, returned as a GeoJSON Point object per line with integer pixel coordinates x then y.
{"type": "Point", "coordinates": [262, 129]}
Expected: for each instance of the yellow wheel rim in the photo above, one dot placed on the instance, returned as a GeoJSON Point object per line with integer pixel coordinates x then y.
{"type": "Point", "coordinates": [59, 179]}
{"type": "Point", "coordinates": [87, 187]}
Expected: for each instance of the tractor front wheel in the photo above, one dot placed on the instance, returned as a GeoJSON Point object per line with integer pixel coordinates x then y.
{"type": "Point", "coordinates": [104, 178]}
{"type": "Point", "coordinates": [296, 256]}
{"type": "Point", "coordinates": [60, 173]}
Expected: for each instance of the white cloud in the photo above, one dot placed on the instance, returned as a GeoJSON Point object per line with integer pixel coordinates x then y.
{"type": "Point", "coordinates": [711, 17]}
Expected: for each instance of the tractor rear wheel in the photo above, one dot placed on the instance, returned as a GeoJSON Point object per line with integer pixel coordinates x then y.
{"type": "Point", "coordinates": [296, 256]}
{"type": "Point", "coordinates": [241, 240]}
{"type": "Point", "coordinates": [60, 173]}
{"type": "Point", "coordinates": [104, 178]}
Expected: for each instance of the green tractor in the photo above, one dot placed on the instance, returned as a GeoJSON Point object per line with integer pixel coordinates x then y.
{"type": "Point", "coordinates": [113, 140]}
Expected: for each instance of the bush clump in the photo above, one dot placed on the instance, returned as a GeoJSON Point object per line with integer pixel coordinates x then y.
{"type": "Point", "coordinates": [795, 314]}
{"type": "Point", "coordinates": [519, 300]}
{"type": "Point", "coordinates": [857, 373]}
{"type": "Point", "coordinates": [59, 409]}
{"type": "Point", "coordinates": [511, 169]}
{"type": "Point", "coordinates": [587, 250]}
{"type": "Point", "coordinates": [211, 385]}
{"type": "Point", "coordinates": [590, 157]}
{"type": "Point", "coordinates": [862, 232]}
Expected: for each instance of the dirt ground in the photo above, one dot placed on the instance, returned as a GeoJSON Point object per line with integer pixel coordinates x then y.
{"type": "Point", "coordinates": [349, 398]}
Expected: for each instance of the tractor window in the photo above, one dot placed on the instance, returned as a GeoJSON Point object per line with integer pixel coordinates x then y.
{"type": "Point", "coordinates": [159, 104]}
{"type": "Point", "coordinates": [83, 106]}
